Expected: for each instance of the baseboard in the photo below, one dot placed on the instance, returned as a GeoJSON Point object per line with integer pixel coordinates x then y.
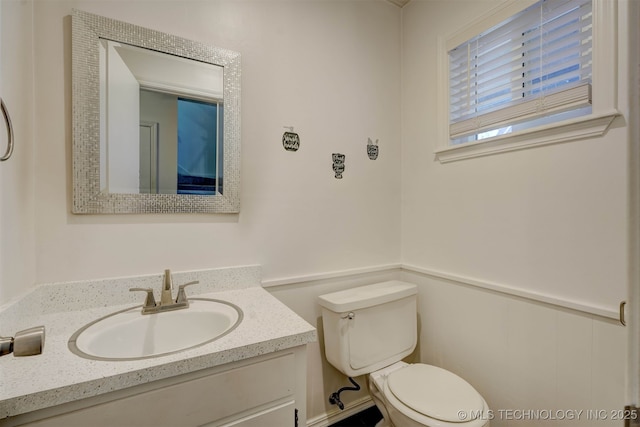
{"type": "Point", "coordinates": [350, 409]}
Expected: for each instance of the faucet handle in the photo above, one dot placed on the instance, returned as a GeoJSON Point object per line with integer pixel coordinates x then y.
{"type": "Point", "coordinates": [150, 301]}
{"type": "Point", "coordinates": [182, 295]}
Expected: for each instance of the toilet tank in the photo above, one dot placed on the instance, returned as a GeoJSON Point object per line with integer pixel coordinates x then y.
{"type": "Point", "coordinates": [369, 327]}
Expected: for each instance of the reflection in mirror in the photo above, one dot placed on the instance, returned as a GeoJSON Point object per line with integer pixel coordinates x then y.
{"type": "Point", "coordinates": [176, 137]}
{"type": "Point", "coordinates": [161, 102]}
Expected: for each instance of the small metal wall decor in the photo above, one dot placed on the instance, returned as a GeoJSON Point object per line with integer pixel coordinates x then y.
{"type": "Point", "coordinates": [338, 164]}
{"type": "Point", "coordinates": [290, 140]}
{"type": "Point", "coordinates": [372, 149]}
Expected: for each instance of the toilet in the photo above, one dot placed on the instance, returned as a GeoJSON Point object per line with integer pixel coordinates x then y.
{"type": "Point", "coordinates": [369, 330]}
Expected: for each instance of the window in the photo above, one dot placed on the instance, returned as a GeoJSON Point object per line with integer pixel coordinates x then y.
{"type": "Point", "coordinates": [199, 162]}
{"type": "Point", "coordinates": [520, 71]}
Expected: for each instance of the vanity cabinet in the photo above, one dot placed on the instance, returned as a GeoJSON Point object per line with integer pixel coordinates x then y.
{"type": "Point", "coordinates": [263, 391]}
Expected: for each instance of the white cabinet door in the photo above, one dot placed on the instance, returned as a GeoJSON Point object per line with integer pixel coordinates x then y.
{"type": "Point", "coordinates": [261, 394]}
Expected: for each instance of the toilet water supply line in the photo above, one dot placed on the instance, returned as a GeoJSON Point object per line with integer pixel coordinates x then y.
{"type": "Point", "coordinates": [334, 399]}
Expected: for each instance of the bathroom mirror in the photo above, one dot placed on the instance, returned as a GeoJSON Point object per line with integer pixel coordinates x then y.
{"type": "Point", "coordinates": [156, 121]}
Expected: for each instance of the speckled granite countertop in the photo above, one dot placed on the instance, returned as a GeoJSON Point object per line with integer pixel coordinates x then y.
{"type": "Point", "coordinates": [58, 376]}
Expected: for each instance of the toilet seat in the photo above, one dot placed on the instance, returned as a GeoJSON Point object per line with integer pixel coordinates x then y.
{"type": "Point", "coordinates": [434, 392]}
{"type": "Point", "coordinates": [433, 396]}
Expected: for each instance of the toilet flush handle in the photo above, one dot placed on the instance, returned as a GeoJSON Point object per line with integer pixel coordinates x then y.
{"type": "Point", "coordinates": [349, 315]}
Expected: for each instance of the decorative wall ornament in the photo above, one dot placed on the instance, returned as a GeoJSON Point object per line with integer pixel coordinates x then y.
{"type": "Point", "coordinates": [372, 149]}
{"type": "Point", "coordinates": [290, 140]}
{"type": "Point", "coordinates": [338, 164]}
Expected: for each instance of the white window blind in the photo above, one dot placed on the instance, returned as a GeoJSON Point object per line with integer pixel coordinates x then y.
{"type": "Point", "coordinates": [535, 64]}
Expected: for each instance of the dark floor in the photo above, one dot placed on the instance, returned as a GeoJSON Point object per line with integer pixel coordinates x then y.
{"type": "Point", "coordinates": [367, 418]}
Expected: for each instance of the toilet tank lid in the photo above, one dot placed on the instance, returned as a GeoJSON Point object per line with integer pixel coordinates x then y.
{"type": "Point", "coordinates": [367, 296]}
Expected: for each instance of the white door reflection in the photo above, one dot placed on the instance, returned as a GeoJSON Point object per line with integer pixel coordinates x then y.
{"type": "Point", "coordinates": [149, 157]}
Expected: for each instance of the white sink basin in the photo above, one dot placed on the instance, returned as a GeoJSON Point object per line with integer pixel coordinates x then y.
{"type": "Point", "coordinates": [129, 335]}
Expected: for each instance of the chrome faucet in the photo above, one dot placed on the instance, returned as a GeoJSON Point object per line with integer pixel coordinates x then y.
{"type": "Point", "coordinates": [166, 297]}
{"type": "Point", "coordinates": [167, 302]}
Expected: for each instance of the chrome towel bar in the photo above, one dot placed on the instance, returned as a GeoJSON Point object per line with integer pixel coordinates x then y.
{"type": "Point", "coordinates": [7, 120]}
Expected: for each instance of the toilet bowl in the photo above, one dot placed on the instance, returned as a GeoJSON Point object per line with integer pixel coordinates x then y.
{"type": "Point", "coordinates": [419, 395]}
{"type": "Point", "coordinates": [370, 330]}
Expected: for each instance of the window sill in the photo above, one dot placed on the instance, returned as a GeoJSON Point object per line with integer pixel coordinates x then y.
{"type": "Point", "coordinates": [570, 130]}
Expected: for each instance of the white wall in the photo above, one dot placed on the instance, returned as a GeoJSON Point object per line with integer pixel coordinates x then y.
{"type": "Point", "coordinates": [17, 183]}
{"type": "Point", "coordinates": [162, 108]}
{"type": "Point", "coordinates": [123, 125]}
{"type": "Point", "coordinates": [329, 68]}
{"type": "Point", "coordinates": [549, 222]}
